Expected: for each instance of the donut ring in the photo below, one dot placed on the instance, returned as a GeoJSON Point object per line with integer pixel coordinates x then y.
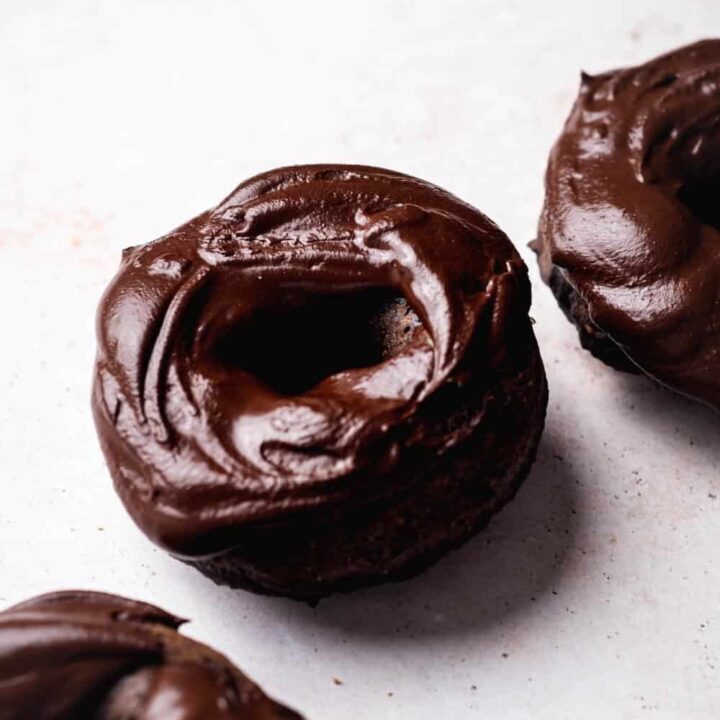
{"type": "Point", "coordinates": [76, 654]}
{"type": "Point", "coordinates": [326, 381]}
{"type": "Point", "coordinates": [629, 238]}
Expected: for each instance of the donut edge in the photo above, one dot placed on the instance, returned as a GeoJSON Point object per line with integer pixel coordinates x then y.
{"type": "Point", "coordinates": [228, 568]}
{"type": "Point", "coordinates": [575, 308]}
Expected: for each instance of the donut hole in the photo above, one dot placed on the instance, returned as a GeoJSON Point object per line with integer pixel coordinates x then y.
{"type": "Point", "coordinates": [300, 339]}
{"type": "Point", "coordinates": [702, 198]}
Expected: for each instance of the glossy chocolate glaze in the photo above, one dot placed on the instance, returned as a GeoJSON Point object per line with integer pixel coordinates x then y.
{"type": "Point", "coordinates": [90, 656]}
{"type": "Point", "coordinates": [630, 232]}
{"type": "Point", "coordinates": [284, 353]}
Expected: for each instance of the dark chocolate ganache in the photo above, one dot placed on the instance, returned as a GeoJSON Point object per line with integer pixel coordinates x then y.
{"type": "Point", "coordinates": [78, 655]}
{"type": "Point", "coordinates": [286, 351]}
{"type": "Point", "coordinates": [629, 237]}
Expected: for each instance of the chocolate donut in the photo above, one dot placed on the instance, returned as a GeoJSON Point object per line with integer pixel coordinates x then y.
{"type": "Point", "coordinates": [90, 656]}
{"type": "Point", "coordinates": [326, 381]}
{"type": "Point", "coordinates": [629, 238]}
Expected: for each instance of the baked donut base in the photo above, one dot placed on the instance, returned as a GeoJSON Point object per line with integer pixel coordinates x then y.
{"type": "Point", "coordinates": [574, 306]}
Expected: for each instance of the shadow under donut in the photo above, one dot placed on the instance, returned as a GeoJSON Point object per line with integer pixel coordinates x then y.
{"type": "Point", "coordinates": [504, 570]}
{"type": "Point", "coordinates": [667, 413]}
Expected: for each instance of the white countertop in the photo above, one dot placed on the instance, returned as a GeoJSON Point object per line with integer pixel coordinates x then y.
{"type": "Point", "coordinates": [596, 594]}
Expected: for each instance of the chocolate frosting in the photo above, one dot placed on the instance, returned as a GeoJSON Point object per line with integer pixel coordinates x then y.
{"type": "Point", "coordinates": [91, 656]}
{"type": "Point", "coordinates": [200, 442]}
{"type": "Point", "coordinates": [632, 214]}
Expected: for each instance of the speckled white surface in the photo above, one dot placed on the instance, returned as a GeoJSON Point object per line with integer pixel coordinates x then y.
{"type": "Point", "coordinates": [596, 594]}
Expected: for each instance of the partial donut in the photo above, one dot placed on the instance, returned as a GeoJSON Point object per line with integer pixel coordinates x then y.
{"type": "Point", "coordinates": [78, 655]}
{"type": "Point", "coordinates": [629, 238]}
{"type": "Point", "coordinates": [326, 381]}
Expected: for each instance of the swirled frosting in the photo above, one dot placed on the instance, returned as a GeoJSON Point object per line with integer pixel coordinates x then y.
{"type": "Point", "coordinates": [74, 654]}
{"type": "Point", "coordinates": [234, 384]}
{"type": "Point", "coordinates": [632, 214]}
